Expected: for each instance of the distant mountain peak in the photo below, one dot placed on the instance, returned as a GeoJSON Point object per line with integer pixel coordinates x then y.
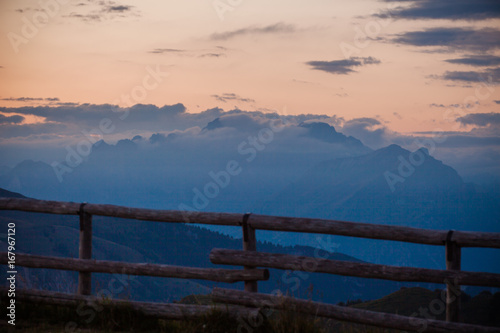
{"type": "Point", "coordinates": [214, 124]}
{"type": "Point", "coordinates": [319, 127]}
{"type": "Point", "coordinates": [393, 148]}
{"type": "Point", "coordinates": [100, 143]}
{"type": "Point", "coordinates": [327, 133]}
{"type": "Point", "coordinates": [137, 138]}
{"type": "Point", "coordinates": [126, 143]}
{"type": "Point", "coordinates": [425, 151]}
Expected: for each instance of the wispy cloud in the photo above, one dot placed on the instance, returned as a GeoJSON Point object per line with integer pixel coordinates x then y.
{"type": "Point", "coordinates": [212, 55]}
{"type": "Point", "coordinates": [480, 119]}
{"type": "Point", "coordinates": [101, 10]}
{"type": "Point", "coordinates": [452, 39]}
{"type": "Point", "coordinates": [476, 60]}
{"type": "Point", "coordinates": [11, 119]}
{"type": "Point", "coordinates": [470, 10]}
{"type": "Point", "coordinates": [31, 99]}
{"type": "Point", "coordinates": [435, 105]}
{"type": "Point", "coordinates": [119, 9]}
{"type": "Point", "coordinates": [491, 75]}
{"type": "Point", "coordinates": [68, 122]}
{"type": "Point", "coordinates": [344, 66]}
{"type": "Point", "coordinates": [232, 97]}
{"type": "Point", "coordinates": [278, 28]}
{"type": "Point", "coordinates": [206, 53]}
{"type": "Point", "coordinates": [161, 51]}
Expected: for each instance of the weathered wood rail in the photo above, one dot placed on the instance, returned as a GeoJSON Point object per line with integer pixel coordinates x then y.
{"type": "Point", "coordinates": [343, 313]}
{"type": "Point", "coordinates": [250, 259]}
{"type": "Point", "coordinates": [349, 268]}
{"type": "Point", "coordinates": [118, 267]}
{"type": "Point", "coordinates": [161, 310]}
{"type": "Point", "coordinates": [262, 222]}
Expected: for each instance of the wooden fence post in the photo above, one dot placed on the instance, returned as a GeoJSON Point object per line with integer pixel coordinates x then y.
{"type": "Point", "coordinates": [85, 251]}
{"type": "Point", "coordinates": [249, 244]}
{"type": "Point", "coordinates": [453, 294]}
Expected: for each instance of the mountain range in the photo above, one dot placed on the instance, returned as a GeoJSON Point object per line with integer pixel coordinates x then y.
{"type": "Point", "coordinates": [304, 170]}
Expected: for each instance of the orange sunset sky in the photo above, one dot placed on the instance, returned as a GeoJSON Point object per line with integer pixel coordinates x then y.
{"type": "Point", "coordinates": [258, 53]}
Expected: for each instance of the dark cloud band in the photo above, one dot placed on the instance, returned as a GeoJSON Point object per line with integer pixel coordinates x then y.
{"type": "Point", "coordinates": [470, 10]}
{"type": "Point", "coordinates": [344, 66]}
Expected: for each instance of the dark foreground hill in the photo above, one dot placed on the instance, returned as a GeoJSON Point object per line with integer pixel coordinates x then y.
{"type": "Point", "coordinates": [483, 309]}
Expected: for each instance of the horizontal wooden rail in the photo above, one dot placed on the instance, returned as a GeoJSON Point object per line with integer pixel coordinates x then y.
{"type": "Point", "coordinates": [263, 222]}
{"type": "Point", "coordinates": [160, 310]}
{"type": "Point", "coordinates": [111, 267]}
{"type": "Point", "coordinates": [374, 231]}
{"type": "Point", "coordinates": [72, 208]}
{"type": "Point", "coordinates": [339, 267]}
{"type": "Point", "coordinates": [343, 313]}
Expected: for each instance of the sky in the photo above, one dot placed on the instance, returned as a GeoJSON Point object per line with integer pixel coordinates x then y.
{"type": "Point", "coordinates": [381, 70]}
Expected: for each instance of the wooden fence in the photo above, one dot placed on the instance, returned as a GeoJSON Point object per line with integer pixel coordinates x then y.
{"type": "Point", "coordinates": [250, 259]}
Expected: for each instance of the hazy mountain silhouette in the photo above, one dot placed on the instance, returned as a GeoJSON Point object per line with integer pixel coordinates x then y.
{"type": "Point", "coordinates": [307, 170]}
{"type": "Point", "coordinates": [327, 133]}
{"type": "Point", "coordinates": [429, 195]}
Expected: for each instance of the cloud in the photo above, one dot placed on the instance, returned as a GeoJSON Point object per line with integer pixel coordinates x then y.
{"type": "Point", "coordinates": [232, 97]}
{"type": "Point", "coordinates": [469, 10]}
{"type": "Point", "coordinates": [66, 104]}
{"type": "Point", "coordinates": [242, 122]}
{"type": "Point", "coordinates": [342, 66]}
{"type": "Point", "coordinates": [467, 141]}
{"type": "Point", "coordinates": [30, 99]}
{"type": "Point", "coordinates": [161, 51]}
{"type": "Point", "coordinates": [29, 9]}
{"type": "Point", "coordinates": [173, 130]}
{"type": "Point", "coordinates": [369, 130]}
{"type": "Point", "coordinates": [278, 28]}
{"type": "Point", "coordinates": [452, 39]}
{"type": "Point", "coordinates": [11, 130]}
{"type": "Point", "coordinates": [70, 123]}
{"type": "Point", "coordinates": [477, 60]}
{"type": "Point", "coordinates": [90, 114]}
{"type": "Point", "coordinates": [480, 119]}
{"type": "Point", "coordinates": [85, 17]}
{"type": "Point", "coordinates": [496, 101]}
{"type": "Point", "coordinates": [491, 76]}
{"type": "Point", "coordinates": [119, 8]}
{"type": "Point", "coordinates": [206, 53]}
{"type": "Point", "coordinates": [11, 119]}
{"type": "Point", "coordinates": [212, 55]}
{"type": "Point", "coordinates": [101, 10]}
{"type": "Point", "coordinates": [435, 105]}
